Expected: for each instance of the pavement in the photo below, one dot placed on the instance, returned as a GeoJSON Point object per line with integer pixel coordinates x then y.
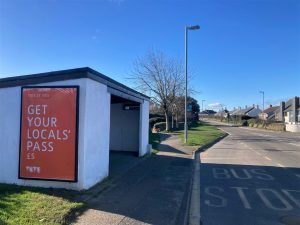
{"type": "Point", "coordinates": [154, 190]}
{"type": "Point", "coordinates": [251, 177]}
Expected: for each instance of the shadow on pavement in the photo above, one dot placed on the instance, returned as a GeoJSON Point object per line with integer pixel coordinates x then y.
{"type": "Point", "coordinates": [153, 192]}
{"type": "Point", "coordinates": [168, 148]}
{"type": "Point", "coordinates": [164, 136]}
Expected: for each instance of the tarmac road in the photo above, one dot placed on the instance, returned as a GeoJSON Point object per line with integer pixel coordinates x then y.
{"type": "Point", "coordinates": [252, 177]}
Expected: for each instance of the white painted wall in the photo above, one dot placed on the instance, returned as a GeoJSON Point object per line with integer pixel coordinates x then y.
{"type": "Point", "coordinates": [124, 129]}
{"type": "Point", "coordinates": [93, 135]}
{"type": "Point", "coordinates": [96, 135]}
{"type": "Point", "coordinates": [144, 128]}
{"type": "Point", "coordinates": [292, 127]}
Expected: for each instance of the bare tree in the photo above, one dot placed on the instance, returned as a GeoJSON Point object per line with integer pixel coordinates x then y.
{"type": "Point", "coordinates": [161, 78]}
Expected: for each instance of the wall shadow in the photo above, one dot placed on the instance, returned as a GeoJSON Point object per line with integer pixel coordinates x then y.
{"type": "Point", "coordinates": [168, 148]}
{"type": "Point", "coordinates": [155, 192]}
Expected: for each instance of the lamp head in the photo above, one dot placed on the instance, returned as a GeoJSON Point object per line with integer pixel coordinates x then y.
{"type": "Point", "coordinates": [196, 27]}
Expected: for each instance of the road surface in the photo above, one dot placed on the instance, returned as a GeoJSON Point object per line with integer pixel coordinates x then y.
{"type": "Point", "coordinates": [252, 177]}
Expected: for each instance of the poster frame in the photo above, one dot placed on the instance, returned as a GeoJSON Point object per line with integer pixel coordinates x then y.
{"type": "Point", "coordinates": [76, 134]}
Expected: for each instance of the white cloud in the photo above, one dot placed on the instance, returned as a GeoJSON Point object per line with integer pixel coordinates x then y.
{"type": "Point", "coordinates": [215, 105]}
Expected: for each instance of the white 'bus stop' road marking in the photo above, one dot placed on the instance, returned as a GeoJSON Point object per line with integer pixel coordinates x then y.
{"type": "Point", "coordinates": [266, 157]}
{"type": "Point", "coordinates": [294, 144]}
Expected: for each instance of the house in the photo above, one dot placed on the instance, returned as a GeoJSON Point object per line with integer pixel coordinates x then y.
{"type": "Point", "coordinates": [207, 112]}
{"type": "Point", "coordinates": [234, 111]}
{"type": "Point", "coordinates": [279, 113]}
{"type": "Point", "coordinates": [288, 112]}
{"type": "Point", "coordinates": [292, 115]}
{"type": "Point", "coordinates": [269, 113]}
{"type": "Point", "coordinates": [246, 112]}
{"type": "Point", "coordinates": [254, 112]}
{"type": "Point", "coordinates": [222, 113]}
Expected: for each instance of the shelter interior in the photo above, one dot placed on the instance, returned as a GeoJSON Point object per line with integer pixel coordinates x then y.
{"type": "Point", "coordinates": [124, 129]}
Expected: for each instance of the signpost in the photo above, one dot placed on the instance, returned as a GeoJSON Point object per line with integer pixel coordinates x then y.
{"type": "Point", "coordinates": [48, 139]}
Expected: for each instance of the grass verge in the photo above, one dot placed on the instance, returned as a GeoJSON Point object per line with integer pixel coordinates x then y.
{"type": "Point", "coordinates": [26, 205]}
{"type": "Point", "coordinates": [200, 134]}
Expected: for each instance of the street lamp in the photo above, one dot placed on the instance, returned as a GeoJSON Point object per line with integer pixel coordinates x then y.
{"type": "Point", "coordinates": [202, 105]}
{"type": "Point", "coordinates": [263, 94]}
{"type": "Point", "coordinates": [196, 27]}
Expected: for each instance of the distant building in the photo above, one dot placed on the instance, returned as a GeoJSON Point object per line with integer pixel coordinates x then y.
{"type": "Point", "coordinates": [246, 112]}
{"type": "Point", "coordinates": [207, 112]}
{"type": "Point", "coordinates": [288, 112]}
{"type": "Point", "coordinates": [292, 115]}
{"type": "Point", "coordinates": [269, 113]}
{"type": "Point", "coordinates": [222, 113]}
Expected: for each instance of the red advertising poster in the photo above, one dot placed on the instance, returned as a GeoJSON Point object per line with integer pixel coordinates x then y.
{"type": "Point", "coordinates": [48, 144]}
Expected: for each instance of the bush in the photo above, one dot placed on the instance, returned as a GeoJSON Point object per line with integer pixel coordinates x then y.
{"type": "Point", "coordinates": [260, 125]}
{"type": "Point", "coordinates": [153, 115]}
{"type": "Point", "coordinates": [251, 122]}
{"type": "Point", "coordinates": [159, 126]}
{"type": "Point", "coordinates": [276, 126]}
{"type": "Point", "coordinates": [244, 123]}
{"type": "Point", "coordinates": [155, 120]}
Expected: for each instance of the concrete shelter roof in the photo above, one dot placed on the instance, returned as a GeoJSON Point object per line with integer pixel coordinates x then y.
{"type": "Point", "coordinates": [71, 74]}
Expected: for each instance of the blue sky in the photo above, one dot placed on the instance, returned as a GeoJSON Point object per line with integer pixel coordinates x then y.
{"type": "Point", "coordinates": [243, 46]}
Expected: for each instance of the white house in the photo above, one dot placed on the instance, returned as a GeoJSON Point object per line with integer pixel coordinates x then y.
{"type": "Point", "coordinates": [292, 114]}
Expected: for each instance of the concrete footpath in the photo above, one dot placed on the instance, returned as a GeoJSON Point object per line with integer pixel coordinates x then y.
{"type": "Point", "coordinates": [154, 191]}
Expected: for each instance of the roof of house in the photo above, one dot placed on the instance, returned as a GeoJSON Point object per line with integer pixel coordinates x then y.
{"type": "Point", "coordinates": [253, 112]}
{"type": "Point", "coordinates": [222, 112]}
{"type": "Point", "coordinates": [234, 111]}
{"type": "Point", "coordinates": [288, 109]}
{"type": "Point", "coordinates": [70, 74]}
{"type": "Point", "coordinates": [208, 112]}
{"type": "Point", "coordinates": [270, 109]}
{"type": "Point", "coordinates": [288, 105]}
{"type": "Point", "coordinates": [241, 112]}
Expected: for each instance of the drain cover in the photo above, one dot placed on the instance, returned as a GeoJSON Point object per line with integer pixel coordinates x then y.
{"type": "Point", "coordinates": [290, 220]}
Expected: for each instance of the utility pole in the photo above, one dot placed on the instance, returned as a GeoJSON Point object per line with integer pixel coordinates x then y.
{"type": "Point", "coordinates": [196, 27]}
{"type": "Point", "coordinates": [263, 95]}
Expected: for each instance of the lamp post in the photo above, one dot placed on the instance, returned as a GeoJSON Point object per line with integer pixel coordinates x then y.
{"type": "Point", "coordinates": [202, 105]}
{"type": "Point", "coordinates": [187, 28]}
{"type": "Point", "coordinates": [263, 95]}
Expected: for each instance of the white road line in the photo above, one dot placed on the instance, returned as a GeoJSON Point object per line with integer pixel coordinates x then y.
{"type": "Point", "coordinates": [194, 215]}
{"type": "Point", "coordinates": [257, 153]}
{"type": "Point", "coordinates": [280, 165]}
{"type": "Point", "coordinates": [298, 145]}
{"type": "Point", "coordinates": [217, 158]}
{"type": "Point", "coordinates": [266, 157]}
